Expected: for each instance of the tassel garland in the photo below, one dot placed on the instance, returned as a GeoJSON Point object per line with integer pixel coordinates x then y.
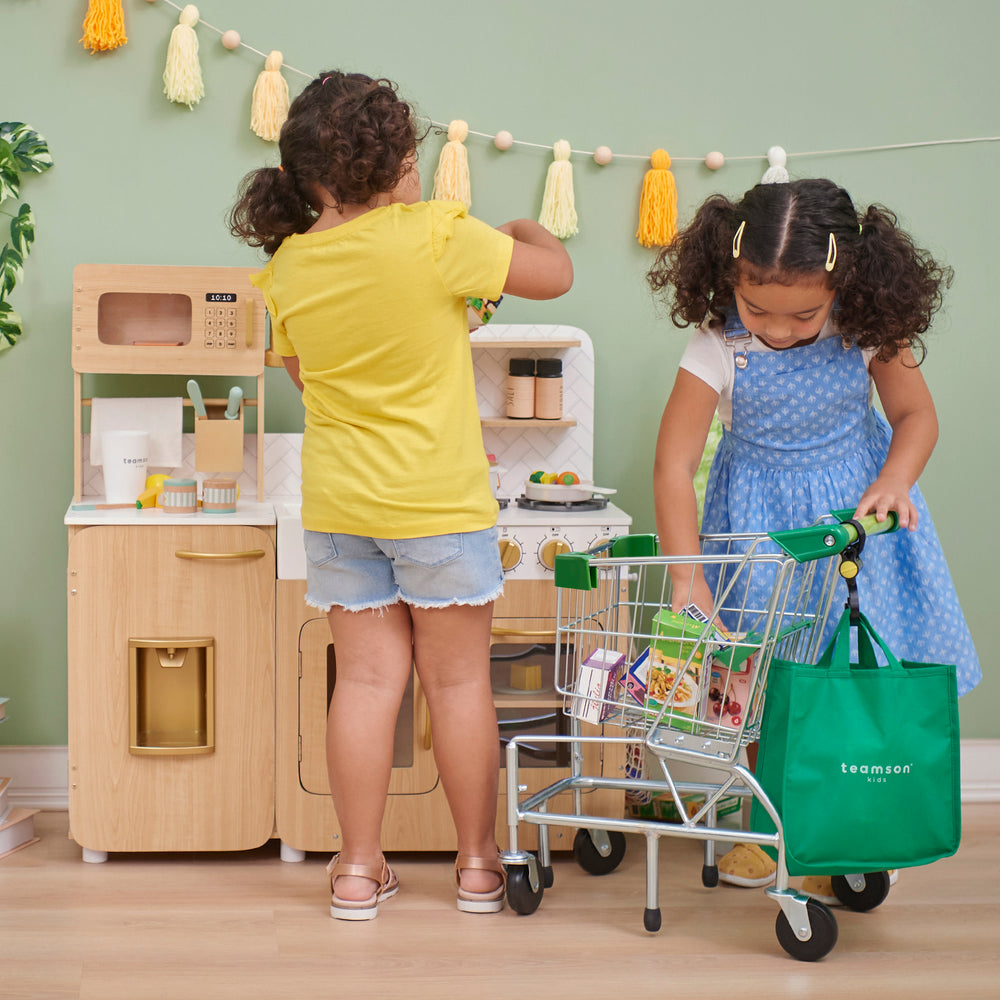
{"type": "Point", "coordinates": [558, 213]}
{"type": "Point", "coordinates": [658, 203]}
{"type": "Point", "coordinates": [451, 179]}
{"type": "Point", "coordinates": [269, 106]}
{"type": "Point", "coordinates": [776, 172]}
{"type": "Point", "coordinates": [182, 77]}
{"type": "Point", "coordinates": [104, 26]}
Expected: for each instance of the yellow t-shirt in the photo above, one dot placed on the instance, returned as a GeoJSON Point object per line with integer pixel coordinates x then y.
{"type": "Point", "coordinates": [375, 311]}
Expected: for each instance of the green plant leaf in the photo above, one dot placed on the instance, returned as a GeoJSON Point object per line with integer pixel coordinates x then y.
{"type": "Point", "coordinates": [30, 150]}
{"type": "Point", "coordinates": [10, 326]}
{"type": "Point", "coordinates": [22, 230]}
{"type": "Point", "coordinates": [11, 269]}
{"type": "Point", "coordinates": [10, 179]}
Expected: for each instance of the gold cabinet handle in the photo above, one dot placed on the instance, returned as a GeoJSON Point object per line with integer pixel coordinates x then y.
{"type": "Point", "coordinates": [522, 631]}
{"type": "Point", "coordinates": [249, 554]}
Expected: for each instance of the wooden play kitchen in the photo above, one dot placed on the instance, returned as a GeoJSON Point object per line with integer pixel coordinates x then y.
{"type": "Point", "coordinates": [198, 678]}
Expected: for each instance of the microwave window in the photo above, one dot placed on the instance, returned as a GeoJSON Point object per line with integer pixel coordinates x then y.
{"type": "Point", "coordinates": [147, 318]}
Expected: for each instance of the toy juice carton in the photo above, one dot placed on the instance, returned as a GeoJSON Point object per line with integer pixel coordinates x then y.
{"type": "Point", "coordinates": [676, 658]}
{"type": "Point", "coordinates": [729, 694]}
{"type": "Point", "coordinates": [595, 685]}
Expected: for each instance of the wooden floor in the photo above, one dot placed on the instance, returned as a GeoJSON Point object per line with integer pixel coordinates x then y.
{"type": "Point", "coordinates": [251, 927]}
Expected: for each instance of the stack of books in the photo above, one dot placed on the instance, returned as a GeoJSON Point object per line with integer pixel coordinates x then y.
{"type": "Point", "coordinates": [17, 826]}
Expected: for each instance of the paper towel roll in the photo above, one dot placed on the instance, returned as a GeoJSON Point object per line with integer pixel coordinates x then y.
{"type": "Point", "coordinates": [160, 416]}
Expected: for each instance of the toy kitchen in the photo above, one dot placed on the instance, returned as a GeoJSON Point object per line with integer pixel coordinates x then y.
{"type": "Point", "coordinates": [198, 678]}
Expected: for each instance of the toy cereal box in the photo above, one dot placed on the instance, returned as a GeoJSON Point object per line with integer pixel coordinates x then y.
{"type": "Point", "coordinates": [676, 657]}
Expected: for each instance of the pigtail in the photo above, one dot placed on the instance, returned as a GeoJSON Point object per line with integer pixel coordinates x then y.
{"type": "Point", "coordinates": [890, 289]}
{"type": "Point", "coordinates": [269, 208]}
{"type": "Point", "coordinates": [698, 265]}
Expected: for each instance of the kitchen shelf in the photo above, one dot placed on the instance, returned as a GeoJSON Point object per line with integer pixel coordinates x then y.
{"type": "Point", "coordinates": [526, 422]}
{"type": "Point", "coordinates": [528, 700]}
{"type": "Point", "coordinates": [538, 344]}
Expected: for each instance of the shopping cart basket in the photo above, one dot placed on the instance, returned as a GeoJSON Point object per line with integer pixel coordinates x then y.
{"type": "Point", "coordinates": [634, 657]}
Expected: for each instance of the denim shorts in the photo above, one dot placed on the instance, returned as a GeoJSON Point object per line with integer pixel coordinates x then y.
{"type": "Point", "coordinates": [358, 573]}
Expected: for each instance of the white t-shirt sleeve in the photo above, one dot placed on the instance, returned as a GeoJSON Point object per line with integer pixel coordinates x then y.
{"type": "Point", "coordinates": [708, 358]}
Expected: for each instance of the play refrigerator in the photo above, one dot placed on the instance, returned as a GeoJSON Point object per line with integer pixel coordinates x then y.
{"type": "Point", "coordinates": [686, 688]}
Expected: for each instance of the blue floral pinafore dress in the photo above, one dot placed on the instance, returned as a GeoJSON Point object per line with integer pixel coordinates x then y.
{"type": "Point", "coordinates": [805, 440]}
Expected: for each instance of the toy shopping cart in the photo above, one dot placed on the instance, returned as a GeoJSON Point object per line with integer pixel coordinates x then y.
{"type": "Point", "coordinates": [674, 686]}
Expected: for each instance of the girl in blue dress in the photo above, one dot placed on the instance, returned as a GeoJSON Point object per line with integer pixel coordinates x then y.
{"type": "Point", "coordinates": [802, 304]}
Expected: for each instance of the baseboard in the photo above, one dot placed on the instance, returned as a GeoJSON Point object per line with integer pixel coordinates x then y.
{"type": "Point", "coordinates": [40, 774]}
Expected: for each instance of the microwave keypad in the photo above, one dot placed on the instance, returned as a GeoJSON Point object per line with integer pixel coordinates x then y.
{"type": "Point", "coordinates": [220, 327]}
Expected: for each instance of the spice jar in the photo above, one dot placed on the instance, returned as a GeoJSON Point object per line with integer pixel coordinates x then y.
{"type": "Point", "coordinates": [218, 496]}
{"type": "Point", "coordinates": [548, 389]}
{"type": "Point", "coordinates": [180, 496]}
{"type": "Point", "coordinates": [521, 388]}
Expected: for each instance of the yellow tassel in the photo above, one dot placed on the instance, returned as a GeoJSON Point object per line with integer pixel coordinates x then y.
{"type": "Point", "coordinates": [451, 179]}
{"type": "Point", "coordinates": [658, 204]}
{"type": "Point", "coordinates": [182, 77]}
{"type": "Point", "coordinates": [104, 26]}
{"type": "Point", "coordinates": [269, 106]}
{"type": "Point", "coordinates": [558, 213]}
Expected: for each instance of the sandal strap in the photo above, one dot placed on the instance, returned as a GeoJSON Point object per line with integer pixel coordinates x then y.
{"type": "Point", "coordinates": [379, 874]}
{"type": "Point", "coordinates": [484, 864]}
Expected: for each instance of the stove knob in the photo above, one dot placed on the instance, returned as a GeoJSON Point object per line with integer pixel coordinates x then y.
{"type": "Point", "coordinates": [510, 554]}
{"type": "Point", "coordinates": [548, 552]}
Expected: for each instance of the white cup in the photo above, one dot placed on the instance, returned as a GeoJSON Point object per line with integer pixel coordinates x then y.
{"type": "Point", "coordinates": [126, 458]}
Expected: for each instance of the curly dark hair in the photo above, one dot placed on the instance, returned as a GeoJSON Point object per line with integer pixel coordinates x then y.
{"type": "Point", "coordinates": [887, 288]}
{"type": "Point", "coordinates": [346, 132]}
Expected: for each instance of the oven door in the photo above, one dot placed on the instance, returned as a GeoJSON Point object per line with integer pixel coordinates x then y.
{"type": "Point", "coordinates": [414, 771]}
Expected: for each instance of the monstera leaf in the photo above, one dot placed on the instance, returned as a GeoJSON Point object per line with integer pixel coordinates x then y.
{"type": "Point", "coordinates": [22, 150]}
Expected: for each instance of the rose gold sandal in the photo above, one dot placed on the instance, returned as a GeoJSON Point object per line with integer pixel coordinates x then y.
{"type": "Point", "coordinates": [480, 902]}
{"type": "Point", "coordinates": [361, 909]}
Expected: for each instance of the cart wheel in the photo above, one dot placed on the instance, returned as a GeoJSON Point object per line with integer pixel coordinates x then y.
{"type": "Point", "coordinates": [874, 892]}
{"type": "Point", "coordinates": [548, 877]}
{"type": "Point", "coordinates": [823, 925]}
{"type": "Point", "coordinates": [591, 860]}
{"type": "Point", "coordinates": [651, 920]}
{"type": "Point", "coordinates": [520, 897]}
{"type": "Point", "coordinates": [709, 876]}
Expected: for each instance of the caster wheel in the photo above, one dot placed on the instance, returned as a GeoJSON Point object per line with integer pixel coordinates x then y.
{"type": "Point", "coordinates": [823, 925]}
{"type": "Point", "coordinates": [651, 920]}
{"type": "Point", "coordinates": [710, 876]}
{"type": "Point", "coordinates": [591, 860]}
{"type": "Point", "coordinates": [520, 897]}
{"type": "Point", "coordinates": [548, 877]}
{"type": "Point", "coordinates": [875, 890]}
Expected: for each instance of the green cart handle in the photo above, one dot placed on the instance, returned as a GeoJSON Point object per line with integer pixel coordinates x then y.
{"type": "Point", "coordinates": [822, 540]}
{"type": "Point", "coordinates": [576, 571]}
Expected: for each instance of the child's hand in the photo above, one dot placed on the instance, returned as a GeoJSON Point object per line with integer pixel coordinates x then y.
{"type": "Point", "coordinates": [884, 495]}
{"type": "Point", "coordinates": [690, 588]}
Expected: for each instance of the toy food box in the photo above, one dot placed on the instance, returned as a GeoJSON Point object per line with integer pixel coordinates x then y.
{"type": "Point", "coordinates": [595, 685]}
{"type": "Point", "coordinates": [676, 658]}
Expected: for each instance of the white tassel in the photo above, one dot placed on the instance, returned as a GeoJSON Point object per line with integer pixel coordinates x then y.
{"type": "Point", "coordinates": [776, 172]}
{"type": "Point", "coordinates": [269, 105]}
{"type": "Point", "coordinates": [451, 179]}
{"type": "Point", "coordinates": [558, 213]}
{"type": "Point", "coordinates": [182, 77]}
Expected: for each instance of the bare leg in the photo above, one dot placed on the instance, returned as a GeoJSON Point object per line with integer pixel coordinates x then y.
{"type": "Point", "coordinates": [452, 656]}
{"type": "Point", "coordinates": [374, 658]}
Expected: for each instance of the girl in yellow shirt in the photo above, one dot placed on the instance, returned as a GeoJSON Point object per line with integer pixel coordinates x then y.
{"type": "Point", "coordinates": [366, 288]}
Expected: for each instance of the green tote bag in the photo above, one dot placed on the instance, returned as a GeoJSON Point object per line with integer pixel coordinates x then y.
{"type": "Point", "coordinates": [860, 760]}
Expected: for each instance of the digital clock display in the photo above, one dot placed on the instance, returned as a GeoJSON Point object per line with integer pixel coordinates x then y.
{"type": "Point", "coordinates": [220, 296]}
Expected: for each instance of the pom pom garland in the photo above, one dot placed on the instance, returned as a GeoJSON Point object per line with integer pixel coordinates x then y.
{"type": "Point", "coordinates": [269, 106]}
{"type": "Point", "coordinates": [231, 39]}
{"type": "Point", "coordinates": [658, 203]}
{"type": "Point", "coordinates": [715, 160]}
{"type": "Point", "coordinates": [451, 179]}
{"type": "Point", "coordinates": [776, 172]}
{"type": "Point", "coordinates": [558, 213]}
{"type": "Point", "coordinates": [104, 26]}
{"type": "Point", "coordinates": [182, 77]}
{"type": "Point", "coordinates": [503, 140]}
{"type": "Point", "coordinates": [603, 155]}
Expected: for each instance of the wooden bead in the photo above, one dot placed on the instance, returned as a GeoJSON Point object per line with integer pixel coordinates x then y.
{"type": "Point", "coordinates": [603, 155]}
{"type": "Point", "coordinates": [714, 160]}
{"type": "Point", "coordinates": [503, 139]}
{"type": "Point", "coordinates": [231, 39]}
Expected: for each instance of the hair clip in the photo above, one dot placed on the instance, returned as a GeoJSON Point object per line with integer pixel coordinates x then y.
{"type": "Point", "coordinates": [861, 229]}
{"type": "Point", "coordinates": [738, 240]}
{"type": "Point", "coordinates": [831, 253]}
{"type": "Point", "coordinates": [281, 168]}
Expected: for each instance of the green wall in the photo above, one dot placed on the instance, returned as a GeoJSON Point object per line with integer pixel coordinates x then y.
{"type": "Point", "coordinates": [139, 180]}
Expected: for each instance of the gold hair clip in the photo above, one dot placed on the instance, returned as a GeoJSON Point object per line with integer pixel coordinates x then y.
{"type": "Point", "coordinates": [831, 253]}
{"type": "Point", "coordinates": [738, 240]}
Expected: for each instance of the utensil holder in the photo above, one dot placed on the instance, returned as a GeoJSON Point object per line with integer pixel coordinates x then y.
{"type": "Point", "coordinates": [218, 442]}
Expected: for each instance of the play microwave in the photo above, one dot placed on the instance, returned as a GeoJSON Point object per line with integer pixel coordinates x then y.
{"type": "Point", "coordinates": [196, 320]}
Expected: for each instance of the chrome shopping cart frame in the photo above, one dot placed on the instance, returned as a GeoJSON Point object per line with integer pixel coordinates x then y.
{"type": "Point", "coordinates": [772, 595]}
